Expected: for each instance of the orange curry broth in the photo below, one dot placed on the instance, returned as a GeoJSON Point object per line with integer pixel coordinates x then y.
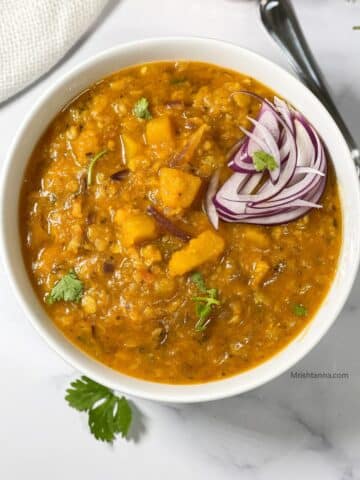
{"type": "Point", "coordinates": [137, 314]}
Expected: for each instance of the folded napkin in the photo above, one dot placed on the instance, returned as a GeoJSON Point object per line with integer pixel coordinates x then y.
{"type": "Point", "coordinates": [35, 35]}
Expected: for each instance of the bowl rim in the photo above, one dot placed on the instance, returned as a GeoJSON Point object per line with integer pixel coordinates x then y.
{"type": "Point", "coordinates": [85, 364]}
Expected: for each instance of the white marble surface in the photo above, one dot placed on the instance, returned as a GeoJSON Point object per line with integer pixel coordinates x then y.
{"type": "Point", "coordinates": [287, 429]}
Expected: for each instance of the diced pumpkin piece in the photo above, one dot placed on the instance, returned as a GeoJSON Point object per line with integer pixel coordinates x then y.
{"type": "Point", "coordinates": [178, 189]}
{"type": "Point", "coordinates": [204, 248]}
{"type": "Point", "coordinates": [159, 132]}
{"type": "Point", "coordinates": [130, 146]}
{"type": "Point", "coordinates": [137, 228]}
{"type": "Point", "coordinates": [259, 270]}
{"type": "Point", "coordinates": [120, 216]}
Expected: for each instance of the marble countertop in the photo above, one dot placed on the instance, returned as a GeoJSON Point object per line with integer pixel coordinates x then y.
{"type": "Point", "coordinates": [298, 428]}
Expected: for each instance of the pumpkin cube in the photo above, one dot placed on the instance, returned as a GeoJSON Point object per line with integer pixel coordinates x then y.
{"type": "Point", "coordinates": [137, 228]}
{"type": "Point", "coordinates": [178, 189]}
{"type": "Point", "coordinates": [204, 248]}
{"type": "Point", "coordinates": [260, 269]}
{"type": "Point", "coordinates": [130, 146]}
{"type": "Point", "coordinates": [159, 133]}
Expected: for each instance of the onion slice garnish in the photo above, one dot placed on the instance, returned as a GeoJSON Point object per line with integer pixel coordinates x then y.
{"type": "Point", "coordinates": [167, 225]}
{"type": "Point", "coordinates": [209, 205]}
{"type": "Point", "coordinates": [283, 193]}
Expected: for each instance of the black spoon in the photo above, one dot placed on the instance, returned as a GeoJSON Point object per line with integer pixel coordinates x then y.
{"type": "Point", "coordinates": [279, 19]}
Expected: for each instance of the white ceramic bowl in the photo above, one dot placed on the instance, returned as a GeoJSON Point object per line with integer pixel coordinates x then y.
{"type": "Point", "coordinates": [226, 55]}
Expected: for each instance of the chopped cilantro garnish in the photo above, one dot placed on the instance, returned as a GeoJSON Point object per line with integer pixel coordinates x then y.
{"type": "Point", "coordinates": [300, 310]}
{"type": "Point", "coordinates": [264, 161]}
{"type": "Point", "coordinates": [91, 165]}
{"type": "Point", "coordinates": [177, 80]}
{"type": "Point", "coordinates": [69, 289]}
{"type": "Point", "coordinates": [141, 109]}
{"type": "Point", "coordinates": [204, 304]}
{"type": "Point", "coordinates": [108, 414]}
{"type": "Point", "coordinates": [198, 279]}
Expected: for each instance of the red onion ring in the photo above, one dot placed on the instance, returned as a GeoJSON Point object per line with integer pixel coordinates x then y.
{"type": "Point", "coordinates": [291, 190]}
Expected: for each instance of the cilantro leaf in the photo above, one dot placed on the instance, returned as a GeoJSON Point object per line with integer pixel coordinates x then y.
{"type": "Point", "coordinates": [69, 289]}
{"type": "Point", "coordinates": [199, 281]}
{"type": "Point", "coordinates": [177, 80]}
{"type": "Point", "coordinates": [212, 293]}
{"type": "Point", "coordinates": [141, 109]}
{"type": "Point", "coordinates": [109, 415]}
{"type": "Point", "coordinates": [203, 311]}
{"type": "Point", "coordinates": [84, 393]}
{"type": "Point", "coordinates": [263, 160]}
{"type": "Point", "coordinates": [91, 165]}
{"type": "Point", "coordinates": [300, 310]}
{"type": "Point", "coordinates": [109, 418]}
{"type": "Point", "coordinates": [209, 300]}
{"type": "Point", "coordinates": [203, 304]}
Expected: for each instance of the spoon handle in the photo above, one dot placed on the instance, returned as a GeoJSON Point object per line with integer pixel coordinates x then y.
{"type": "Point", "coordinates": [279, 18]}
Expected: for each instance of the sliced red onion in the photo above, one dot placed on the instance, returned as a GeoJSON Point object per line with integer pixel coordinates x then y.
{"type": "Point", "coordinates": [209, 205]}
{"type": "Point", "coordinates": [265, 136]}
{"type": "Point", "coordinates": [292, 189]}
{"type": "Point", "coordinates": [285, 112]}
{"type": "Point", "coordinates": [271, 148]}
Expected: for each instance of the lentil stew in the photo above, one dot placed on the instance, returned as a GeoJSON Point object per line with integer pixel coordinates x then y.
{"type": "Point", "coordinates": [121, 253]}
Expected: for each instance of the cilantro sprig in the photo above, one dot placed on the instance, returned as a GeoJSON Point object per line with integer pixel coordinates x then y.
{"type": "Point", "coordinates": [108, 415]}
{"type": "Point", "coordinates": [264, 161]}
{"type": "Point", "coordinates": [203, 304]}
{"type": "Point", "coordinates": [94, 159]}
{"type": "Point", "coordinates": [177, 80]}
{"type": "Point", "coordinates": [141, 109]}
{"type": "Point", "coordinates": [300, 310]}
{"type": "Point", "coordinates": [69, 289]}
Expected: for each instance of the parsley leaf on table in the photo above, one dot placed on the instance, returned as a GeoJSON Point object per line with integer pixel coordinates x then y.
{"type": "Point", "coordinates": [141, 109]}
{"type": "Point", "coordinates": [263, 160]}
{"type": "Point", "coordinates": [203, 304]}
{"type": "Point", "coordinates": [69, 289]}
{"type": "Point", "coordinates": [109, 415]}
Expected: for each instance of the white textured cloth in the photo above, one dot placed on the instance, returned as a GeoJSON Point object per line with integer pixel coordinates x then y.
{"type": "Point", "coordinates": [36, 34]}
